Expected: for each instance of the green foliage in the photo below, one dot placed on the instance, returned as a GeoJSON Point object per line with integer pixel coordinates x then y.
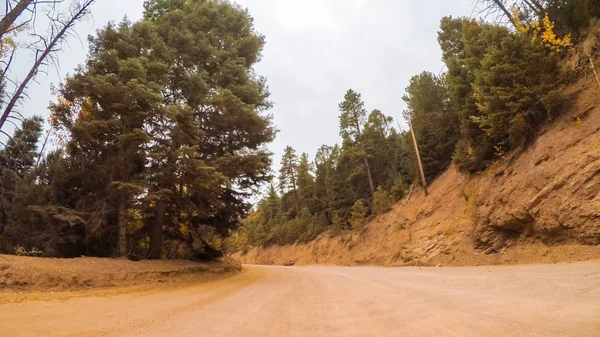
{"type": "Point", "coordinates": [572, 16]}
{"type": "Point", "coordinates": [463, 44]}
{"type": "Point", "coordinates": [398, 189]}
{"type": "Point", "coordinates": [514, 90]}
{"type": "Point", "coordinates": [288, 175]}
{"type": "Point", "coordinates": [352, 120]}
{"type": "Point", "coordinates": [21, 149]}
{"type": "Point", "coordinates": [382, 201]}
{"type": "Point", "coordinates": [381, 146]}
{"type": "Point", "coordinates": [30, 219]}
{"type": "Point", "coordinates": [502, 85]}
{"type": "Point", "coordinates": [434, 123]}
{"type": "Point", "coordinates": [306, 186]}
{"type": "Point", "coordinates": [333, 192]}
{"type": "Point", "coordinates": [16, 160]}
{"type": "Point", "coordinates": [359, 215]}
{"type": "Point", "coordinates": [353, 115]}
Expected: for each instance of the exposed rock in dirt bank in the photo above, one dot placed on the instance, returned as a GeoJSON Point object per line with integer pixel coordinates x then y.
{"type": "Point", "coordinates": [41, 274]}
{"type": "Point", "coordinates": [542, 205]}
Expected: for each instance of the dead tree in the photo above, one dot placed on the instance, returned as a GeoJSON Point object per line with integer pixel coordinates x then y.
{"type": "Point", "coordinates": [58, 32]}
{"type": "Point", "coordinates": [504, 8]}
{"type": "Point", "coordinates": [12, 14]}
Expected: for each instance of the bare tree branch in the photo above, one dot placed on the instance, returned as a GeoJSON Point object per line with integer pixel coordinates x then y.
{"type": "Point", "coordinates": [10, 18]}
{"type": "Point", "coordinates": [41, 153]}
{"type": "Point", "coordinates": [78, 12]}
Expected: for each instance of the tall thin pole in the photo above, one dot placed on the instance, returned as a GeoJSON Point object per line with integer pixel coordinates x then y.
{"type": "Point", "coordinates": [412, 132]}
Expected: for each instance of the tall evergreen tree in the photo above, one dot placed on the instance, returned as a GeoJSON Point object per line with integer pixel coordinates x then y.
{"type": "Point", "coordinates": [515, 90]}
{"type": "Point", "coordinates": [173, 120]}
{"type": "Point", "coordinates": [218, 103]}
{"type": "Point", "coordinates": [288, 175]}
{"type": "Point", "coordinates": [347, 183]}
{"type": "Point", "coordinates": [17, 158]}
{"type": "Point", "coordinates": [496, 87]}
{"type": "Point", "coordinates": [324, 168]}
{"type": "Point", "coordinates": [434, 123]}
{"type": "Point", "coordinates": [306, 184]}
{"type": "Point", "coordinates": [381, 148]}
{"type": "Point", "coordinates": [352, 120]}
{"type": "Point", "coordinates": [464, 43]}
{"type": "Point", "coordinates": [106, 108]}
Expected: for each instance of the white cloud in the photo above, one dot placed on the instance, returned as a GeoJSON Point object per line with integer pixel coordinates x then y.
{"type": "Point", "coordinates": [305, 15]}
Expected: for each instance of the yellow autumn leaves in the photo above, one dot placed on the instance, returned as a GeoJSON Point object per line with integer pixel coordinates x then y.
{"type": "Point", "coordinates": [543, 33]}
{"type": "Point", "coordinates": [7, 42]}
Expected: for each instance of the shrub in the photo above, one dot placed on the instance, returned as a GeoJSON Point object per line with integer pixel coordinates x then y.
{"type": "Point", "coordinates": [382, 201]}
{"type": "Point", "coordinates": [398, 189]}
{"type": "Point", "coordinates": [359, 215]}
{"type": "Point", "coordinates": [238, 241]}
{"type": "Point", "coordinates": [470, 158]}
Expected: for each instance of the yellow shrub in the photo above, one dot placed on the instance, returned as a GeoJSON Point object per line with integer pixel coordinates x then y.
{"type": "Point", "coordinates": [545, 32]}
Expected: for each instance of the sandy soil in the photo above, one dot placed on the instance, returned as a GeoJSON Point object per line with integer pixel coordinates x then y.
{"type": "Point", "coordinates": [24, 276]}
{"type": "Point", "coordinates": [535, 300]}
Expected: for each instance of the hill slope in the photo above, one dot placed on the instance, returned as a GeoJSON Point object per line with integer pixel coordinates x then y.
{"type": "Point", "coordinates": [541, 205]}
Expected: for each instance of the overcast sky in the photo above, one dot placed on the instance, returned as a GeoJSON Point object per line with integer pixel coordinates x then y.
{"type": "Point", "coordinates": [315, 51]}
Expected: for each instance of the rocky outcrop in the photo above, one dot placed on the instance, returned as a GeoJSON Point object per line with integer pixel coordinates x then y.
{"type": "Point", "coordinates": [550, 193]}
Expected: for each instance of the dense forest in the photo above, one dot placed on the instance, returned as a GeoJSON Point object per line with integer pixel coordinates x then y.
{"type": "Point", "coordinates": [503, 79]}
{"type": "Point", "coordinates": [162, 132]}
{"type": "Point", "coordinates": [162, 138]}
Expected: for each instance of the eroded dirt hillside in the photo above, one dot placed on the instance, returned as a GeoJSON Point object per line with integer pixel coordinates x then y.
{"type": "Point", "coordinates": [27, 274]}
{"type": "Point", "coordinates": [541, 205]}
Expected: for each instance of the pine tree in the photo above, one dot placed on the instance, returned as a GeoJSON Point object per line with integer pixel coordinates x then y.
{"type": "Point", "coordinates": [381, 148]}
{"type": "Point", "coordinates": [347, 182]}
{"type": "Point", "coordinates": [515, 90]}
{"type": "Point", "coordinates": [17, 158]}
{"type": "Point", "coordinates": [352, 120]}
{"type": "Point", "coordinates": [221, 128]}
{"type": "Point", "coordinates": [434, 123]}
{"type": "Point", "coordinates": [382, 201]}
{"type": "Point", "coordinates": [464, 44]}
{"type": "Point", "coordinates": [359, 215]}
{"type": "Point", "coordinates": [20, 151]}
{"type": "Point", "coordinates": [496, 88]}
{"type": "Point", "coordinates": [288, 175]}
{"type": "Point", "coordinates": [306, 184]}
{"type": "Point", "coordinates": [325, 166]}
{"type": "Point", "coordinates": [106, 107]}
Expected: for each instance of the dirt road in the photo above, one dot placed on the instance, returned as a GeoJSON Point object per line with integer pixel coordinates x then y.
{"type": "Point", "coordinates": [542, 300]}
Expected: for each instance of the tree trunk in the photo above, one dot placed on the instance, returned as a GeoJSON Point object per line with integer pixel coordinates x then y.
{"type": "Point", "coordinates": [533, 8]}
{"type": "Point", "coordinates": [11, 17]}
{"type": "Point", "coordinates": [537, 5]}
{"type": "Point", "coordinates": [500, 5]}
{"type": "Point", "coordinates": [367, 166]}
{"type": "Point", "coordinates": [412, 132]}
{"type": "Point", "coordinates": [296, 194]}
{"type": "Point", "coordinates": [122, 227]}
{"type": "Point", "coordinates": [368, 169]}
{"type": "Point", "coordinates": [156, 233]}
